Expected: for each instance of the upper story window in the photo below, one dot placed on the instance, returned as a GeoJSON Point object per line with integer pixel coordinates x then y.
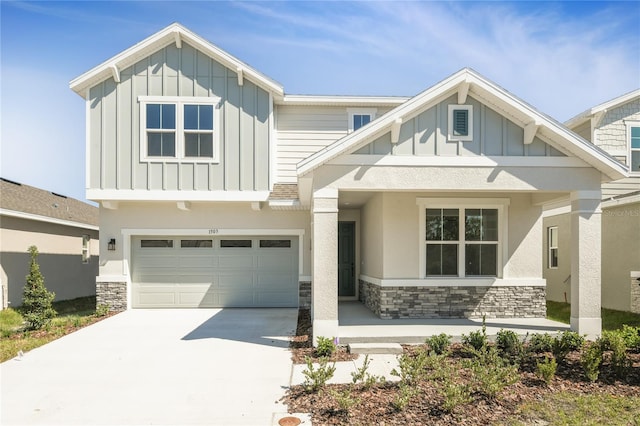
{"type": "Point", "coordinates": [179, 128]}
{"type": "Point", "coordinates": [359, 117]}
{"type": "Point", "coordinates": [460, 123]}
{"type": "Point", "coordinates": [634, 143]}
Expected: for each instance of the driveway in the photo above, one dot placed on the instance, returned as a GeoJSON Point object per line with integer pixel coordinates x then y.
{"type": "Point", "coordinates": [178, 367]}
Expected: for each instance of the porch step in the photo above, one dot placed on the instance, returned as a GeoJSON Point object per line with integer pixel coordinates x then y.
{"type": "Point", "coordinates": [375, 348]}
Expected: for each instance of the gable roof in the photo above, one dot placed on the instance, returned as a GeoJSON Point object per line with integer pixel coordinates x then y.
{"type": "Point", "coordinates": [584, 116]}
{"type": "Point", "coordinates": [33, 203]}
{"type": "Point", "coordinates": [174, 33]}
{"type": "Point", "coordinates": [468, 81]}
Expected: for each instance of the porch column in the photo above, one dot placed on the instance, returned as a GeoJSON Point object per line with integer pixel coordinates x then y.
{"type": "Point", "coordinates": [324, 269]}
{"type": "Point", "coordinates": [586, 263]}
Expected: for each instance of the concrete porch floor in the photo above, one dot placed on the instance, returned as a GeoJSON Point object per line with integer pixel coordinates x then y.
{"type": "Point", "coordinates": [357, 324]}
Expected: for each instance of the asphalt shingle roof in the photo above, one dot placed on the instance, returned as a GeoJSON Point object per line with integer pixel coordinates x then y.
{"type": "Point", "coordinates": [28, 199]}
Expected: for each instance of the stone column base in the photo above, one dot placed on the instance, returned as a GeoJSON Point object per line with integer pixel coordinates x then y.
{"type": "Point", "coordinates": [112, 294]}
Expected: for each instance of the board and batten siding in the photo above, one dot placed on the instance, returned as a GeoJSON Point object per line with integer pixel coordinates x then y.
{"type": "Point", "coordinates": [426, 135]}
{"type": "Point", "coordinates": [114, 126]}
{"type": "Point", "coordinates": [305, 130]}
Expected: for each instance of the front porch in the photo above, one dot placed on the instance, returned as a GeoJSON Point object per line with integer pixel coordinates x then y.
{"type": "Point", "coordinates": [357, 324]}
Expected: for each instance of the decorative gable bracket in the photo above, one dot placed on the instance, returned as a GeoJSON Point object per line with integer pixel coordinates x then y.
{"type": "Point", "coordinates": [115, 72]}
{"type": "Point", "coordinates": [530, 131]}
{"type": "Point", "coordinates": [395, 130]}
{"type": "Point", "coordinates": [463, 91]}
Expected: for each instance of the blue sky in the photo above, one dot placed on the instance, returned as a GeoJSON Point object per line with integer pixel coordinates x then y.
{"type": "Point", "coordinates": [561, 57]}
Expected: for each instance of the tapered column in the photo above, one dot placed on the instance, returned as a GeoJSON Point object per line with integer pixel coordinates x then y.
{"type": "Point", "coordinates": [586, 263]}
{"type": "Point", "coordinates": [324, 293]}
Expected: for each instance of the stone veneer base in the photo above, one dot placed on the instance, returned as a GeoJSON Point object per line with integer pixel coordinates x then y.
{"type": "Point", "coordinates": [112, 294]}
{"type": "Point", "coordinates": [454, 301]}
{"type": "Point", "coordinates": [304, 296]}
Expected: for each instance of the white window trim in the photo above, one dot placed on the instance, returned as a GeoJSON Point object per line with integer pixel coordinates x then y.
{"type": "Point", "coordinates": [450, 135]}
{"type": "Point", "coordinates": [501, 204]}
{"type": "Point", "coordinates": [549, 247]}
{"type": "Point", "coordinates": [86, 248]}
{"type": "Point", "coordinates": [179, 102]}
{"type": "Point", "coordinates": [371, 112]}
{"type": "Point", "coordinates": [630, 150]}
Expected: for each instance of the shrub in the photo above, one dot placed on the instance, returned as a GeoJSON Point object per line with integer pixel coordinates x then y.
{"type": "Point", "coordinates": [316, 378]}
{"type": "Point", "coordinates": [362, 375]}
{"type": "Point", "coordinates": [631, 336]}
{"type": "Point", "coordinates": [439, 344]}
{"type": "Point", "coordinates": [614, 342]}
{"type": "Point", "coordinates": [591, 358]}
{"type": "Point", "coordinates": [102, 310]}
{"type": "Point", "coordinates": [454, 393]}
{"type": "Point", "coordinates": [36, 300]}
{"type": "Point", "coordinates": [509, 344]}
{"type": "Point", "coordinates": [477, 339]}
{"type": "Point", "coordinates": [540, 343]}
{"type": "Point", "coordinates": [491, 373]}
{"type": "Point", "coordinates": [326, 346]}
{"type": "Point", "coordinates": [546, 369]}
{"type": "Point", "coordinates": [344, 399]}
{"type": "Point", "coordinates": [566, 342]}
{"type": "Point", "coordinates": [403, 396]}
{"type": "Point", "coordinates": [412, 368]}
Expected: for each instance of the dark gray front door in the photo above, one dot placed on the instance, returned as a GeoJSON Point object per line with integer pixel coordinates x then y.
{"type": "Point", "coordinates": [346, 259]}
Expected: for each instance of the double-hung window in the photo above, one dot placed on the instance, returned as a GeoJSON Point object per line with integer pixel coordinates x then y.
{"type": "Point", "coordinates": [359, 117]}
{"type": "Point", "coordinates": [634, 144]}
{"type": "Point", "coordinates": [180, 128]}
{"type": "Point", "coordinates": [459, 240]}
{"type": "Point", "coordinates": [552, 247]}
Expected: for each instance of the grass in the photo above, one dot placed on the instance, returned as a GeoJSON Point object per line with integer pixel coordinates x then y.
{"type": "Point", "coordinates": [568, 408]}
{"type": "Point", "coordinates": [611, 319]}
{"type": "Point", "coordinates": [72, 315]}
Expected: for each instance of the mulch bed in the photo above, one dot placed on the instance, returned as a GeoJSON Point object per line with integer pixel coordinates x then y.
{"type": "Point", "coordinates": [374, 406]}
{"type": "Point", "coordinates": [302, 345]}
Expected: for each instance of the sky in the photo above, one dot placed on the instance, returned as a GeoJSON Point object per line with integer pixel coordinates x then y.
{"type": "Point", "coordinates": [561, 57]}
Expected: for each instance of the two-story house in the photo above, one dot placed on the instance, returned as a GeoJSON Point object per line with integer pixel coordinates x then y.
{"type": "Point", "coordinates": [218, 189]}
{"type": "Point", "coordinates": [614, 127]}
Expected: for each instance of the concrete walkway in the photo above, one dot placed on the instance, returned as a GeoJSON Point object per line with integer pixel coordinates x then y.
{"type": "Point", "coordinates": [172, 367]}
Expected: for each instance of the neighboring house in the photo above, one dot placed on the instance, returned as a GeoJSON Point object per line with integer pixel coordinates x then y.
{"type": "Point", "coordinates": [65, 231]}
{"type": "Point", "coordinates": [217, 189]}
{"type": "Point", "coordinates": [614, 127]}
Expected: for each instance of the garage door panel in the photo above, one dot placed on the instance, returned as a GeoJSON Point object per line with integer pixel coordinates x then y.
{"type": "Point", "coordinates": [199, 261]}
{"type": "Point", "coordinates": [242, 272]}
{"type": "Point", "coordinates": [238, 261]}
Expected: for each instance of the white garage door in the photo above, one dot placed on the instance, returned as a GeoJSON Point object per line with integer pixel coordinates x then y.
{"type": "Point", "coordinates": [214, 272]}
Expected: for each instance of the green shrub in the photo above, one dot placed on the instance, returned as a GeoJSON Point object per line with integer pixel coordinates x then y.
{"type": "Point", "coordinates": [362, 375]}
{"type": "Point", "coordinates": [631, 336]}
{"type": "Point", "coordinates": [316, 378]}
{"type": "Point", "coordinates": [546, 369]}
{"type": "Point", "coordinates": [102, 310]}
{"type": "Point", "coordinates": [36, 300]}
{"type": "Point", "coordinates": [454, 394]}
{"type": "Point", "coordinates": [614, 342]}
{"type": "Point", "coordinates": [491, 373]}
{"type": "Point", "coordinates": [439, 344]}
{"type": "Point", "coordinates": [412, 367]}
{"type": "Point", "coordinates": [591, 358]}
{"type": "Point", "coordinates": [566, 342]}
{"type": "Point", "coordinates": [326, 346]}
{"type": "Point", "coordinates": [403, 396]}
{"type": "Point", "coordinates": [509, 344]}
{"type": "Point", "coordinates": [540, 343]}
{"type": "Point", "coordinates": [344, 399]}
{"type": "Point", "coordinates": [477, 340]}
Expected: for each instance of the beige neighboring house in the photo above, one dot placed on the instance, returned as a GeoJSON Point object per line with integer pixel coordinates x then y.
{"type": "Point", "coordinates": [218, 189]}
{"type": "Point", "coordinates": [65, 231]}
{"type": "Point", "coordinates": [613, 127]}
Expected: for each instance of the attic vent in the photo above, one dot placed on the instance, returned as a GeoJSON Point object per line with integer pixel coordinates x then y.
{"type": "Point", "coordinates": [10, 181]}
{"type": "Point", "coordinates": [59, 195]}
{"type": "Point", "coordinates": [460, 122]}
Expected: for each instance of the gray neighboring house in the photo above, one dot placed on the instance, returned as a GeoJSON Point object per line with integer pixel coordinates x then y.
{"type": "Point", "coordinates": [613, 127]}
{"type": "Point", "coordinates": [64, 229]}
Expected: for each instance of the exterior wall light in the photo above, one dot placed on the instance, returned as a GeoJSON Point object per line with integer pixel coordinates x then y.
{"type": "Point", "coordinates": [111, 245]}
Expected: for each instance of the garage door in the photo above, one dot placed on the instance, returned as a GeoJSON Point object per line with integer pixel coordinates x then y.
{"type": "Point", "coordinates": [192, 272]}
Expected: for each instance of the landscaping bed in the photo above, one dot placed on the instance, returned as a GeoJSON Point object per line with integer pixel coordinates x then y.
{"type": "Point", "coordinates": [477, 383]}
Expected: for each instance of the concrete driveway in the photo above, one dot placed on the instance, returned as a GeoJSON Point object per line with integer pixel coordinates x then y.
{"type": "Point", "coordinates": [178, 367]}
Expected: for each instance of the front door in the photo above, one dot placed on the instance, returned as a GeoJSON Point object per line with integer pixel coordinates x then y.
{"type": "Point", "coordinates": [346, 259]}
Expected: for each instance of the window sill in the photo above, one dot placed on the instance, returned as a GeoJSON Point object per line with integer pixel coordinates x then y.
{"type": "Point", "coordinates": [457, 282]}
